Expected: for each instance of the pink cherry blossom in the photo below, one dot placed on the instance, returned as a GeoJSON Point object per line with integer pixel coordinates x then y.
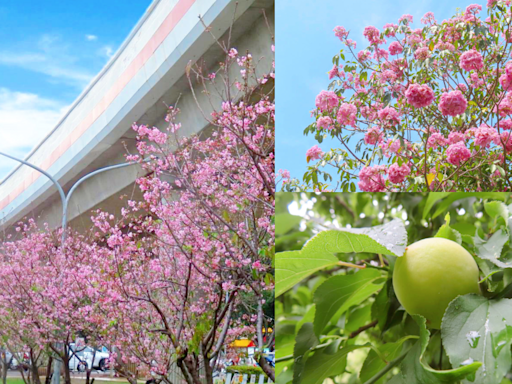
{"type": "Point", "coordinates": [380, 54]}
{"type": "Point", "coordinates": [372, 34]}
{"type": "Point", "coordinates": [471, 12]}
{"type": "Point", "coordinates": [444, 45]}
{"type": "Point", "coordinates": [457, 153]}
{"type": "Point", "coordinates": [406, 19]}
{"type": "Point", "coordinates": [371, 179]}
{"type": "Point", "coordinates": [373, 136]}
{"type": "Point", "coordinates": [452, 103]}
{"type": "Point", "coordinates": [505, 140]}
{"type": "Point", "coordinates": [505, 124]}
{"type": "Point", "coordinates": [347, 114]}
{"type": "Point", "coordinates": [506, 81]}
{"type": "Point", "coordinates": [314, 153]}
{"type": "Point", "coordinates": [475, 81]}
{"type": "Point", "coordinates": [340, 32]}
{"type": "Point", "coordinates": [436, 139]}
{"type": "Point", "coordinates": [422, 53]}
{"type": "Point", "coordinates": [485, 135]}
{"type": "Point", "coordinates": [285, 175]}
{"type": "Point", "coordinates": [462, 87]}
{"type": "Point", "coordinates": [326, 100]}
{"type": "Point", "coordinates": [428, 18]}
{"type": "Point", "coordinates": [389, 115]}
{"type": "Point", "coordinates": [504, 108]}
{"type": "Point", "coordinates": [351, 43]}
{"type": "Point", "coordinates": [395, 48]}
{"type": "Point", "coordinates": [471, 60]}
{"type": "Point", "coordinates": [390, 29]}
{"type": "Point", "coordinates": [333, 72]}
{"type": "Point", "coordinates": [419, 95]}
{"type": "Point", "coordinates": [397, 174]}
{"type": "Point", "coordinates": [325, 122]}
{"type": "Point", "coordinates": [364, 55]}
{"type": "Point", "coordinates": [508, 69]}
{"type": "Point", "coordinates": [388, 76]}
{"type": "Point", "coordinates": [455, 137]}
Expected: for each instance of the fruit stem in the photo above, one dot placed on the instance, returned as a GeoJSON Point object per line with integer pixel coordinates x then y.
{"type": "Point", "coordinates": [381, 261]}
{"type": "Point", "coordinates": [350, 265]}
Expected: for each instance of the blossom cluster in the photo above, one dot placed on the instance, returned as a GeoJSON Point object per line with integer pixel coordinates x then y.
{"type": "Point", "coordinates": [195, 246]}
{"type": "Point", "coordinates": [428, 108]}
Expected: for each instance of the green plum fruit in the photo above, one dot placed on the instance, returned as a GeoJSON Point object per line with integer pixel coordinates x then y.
{"type": "Point", "coordinates": [431, 273]}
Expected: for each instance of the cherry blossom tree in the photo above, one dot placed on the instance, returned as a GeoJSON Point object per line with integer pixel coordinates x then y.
{"type": "Point", "coordinates": [161, 284]}
{"type": "Point", "coordinates": [48, 296]}
{"type": "Point", "coordinates": [180, 260]}
{"type": "Point", "coordinates": [419, 108]}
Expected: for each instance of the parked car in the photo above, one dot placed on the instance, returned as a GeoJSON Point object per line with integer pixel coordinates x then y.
{"type": "Point", "coordinates": [82, 358]}
{"type": "Point", "coordinates": [16, 360]}
{"type": "Point", "coordinates": [271, 358]}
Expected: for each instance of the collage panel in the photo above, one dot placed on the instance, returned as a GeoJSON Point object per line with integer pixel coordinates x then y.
{"type": "Point", "coordinates": [137, 192]}
{"type": "Point", "coordinates": [393, 287]}
{"type": "Point", "coordinates": [393, 165]}
{"type": "Point", "coordinates": [398, 97]}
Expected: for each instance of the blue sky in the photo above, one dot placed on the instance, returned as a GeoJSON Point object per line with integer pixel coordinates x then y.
{"type": "Point", "coordinates": [49, 51]}
{"type": "Point", "coordinates": [305, 45]}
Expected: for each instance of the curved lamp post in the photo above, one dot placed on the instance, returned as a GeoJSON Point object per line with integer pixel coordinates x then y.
{"type": "Point", "coordinates": [66, 198]}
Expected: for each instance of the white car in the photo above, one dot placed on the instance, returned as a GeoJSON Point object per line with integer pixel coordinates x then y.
{"type": "Point", "coordinates": [15, 360]}
{"type": "Point", "coordinates": [81, 356]}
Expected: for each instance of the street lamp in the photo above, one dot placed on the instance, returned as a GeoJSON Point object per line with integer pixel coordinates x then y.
{"type": "Point", "coordinates": [66, 198]}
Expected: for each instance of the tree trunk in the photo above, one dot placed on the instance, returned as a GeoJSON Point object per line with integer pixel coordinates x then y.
{"type": "Point", "coordinates": [184, 370]}
{"type": "Point", "coordinates": [35, 373]}
{"type": "Point", "coordinates": [193, 368]}
{"type": "Point", "coordinates": [65, 364]}
{"type": "Point", "coordinates": [123, 371]}
{"type": "Point", "coordinates": [190, 370]}
{"type": "Point", "coordinates": [48, 379]}
{"type": "Point", "coordinates": [259, 332]}
{"type": "Point", "coordinates": [269, 371]}
{"type": "Point", "coordinates": [5, 368]}
{"type": "Point", "coordinates": [88, 370]}
{"type": "Point", "coordinates": [208, 370]}
{"type": "Point", "coordinates": [21, 368]}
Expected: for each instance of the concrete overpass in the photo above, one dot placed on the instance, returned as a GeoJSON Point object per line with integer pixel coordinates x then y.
{"type": "Point", "coordinates": [146, 74]}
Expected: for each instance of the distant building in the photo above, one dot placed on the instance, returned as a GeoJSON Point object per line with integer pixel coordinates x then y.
{"type": "Point", "coordinates": [145, 75]}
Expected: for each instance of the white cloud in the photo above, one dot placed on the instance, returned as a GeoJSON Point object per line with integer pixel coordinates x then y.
{"type": "Point", "coordinates": [52, 58]}
{"type": "Point", "coordinates": [91, 37]}
{"type": "Point", "coordinates": [108, 51]}
{"type": "Point", "coordinates": [25, 119]}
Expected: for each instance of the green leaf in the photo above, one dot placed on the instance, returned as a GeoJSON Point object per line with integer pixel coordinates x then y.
{"type": "Point", "coordinates": [497, 209]}
{"type": "Point", "coordinates": [338, 293]}
{"type": "Point", "coordinates": [380, 307]}
{"type": "Point", "coordinates": [387, 98]}
{"type": "Point", "coordinates": [357, 318]}
{"type": "Point", "coordinates": [475, 328]}
{"type": "Point", "coordinates": [374, 363]}
{"type": "Point", "coordinates": [451, 197]}
{"type": "Point", "coordinates": [387, 239]}
{"type": "Point", "coordinates": [306, 339]}
{"type": "Point", "coordinates": [414, 370]}
{"type": "Point", "coordinates": [491, 249]}
{"type": "Point", "coordinates": [323, 364]}
{"type": "Point", "coordinates": [432, 198]}
{"type": "Point", "coordinates": [285, 223]}
{"type": "Point", "coordinates": [318, 253]}
{"type": "Point", "coordinates": [293, 266]}
{"type": "Point", "coordinates": [449, 233]}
